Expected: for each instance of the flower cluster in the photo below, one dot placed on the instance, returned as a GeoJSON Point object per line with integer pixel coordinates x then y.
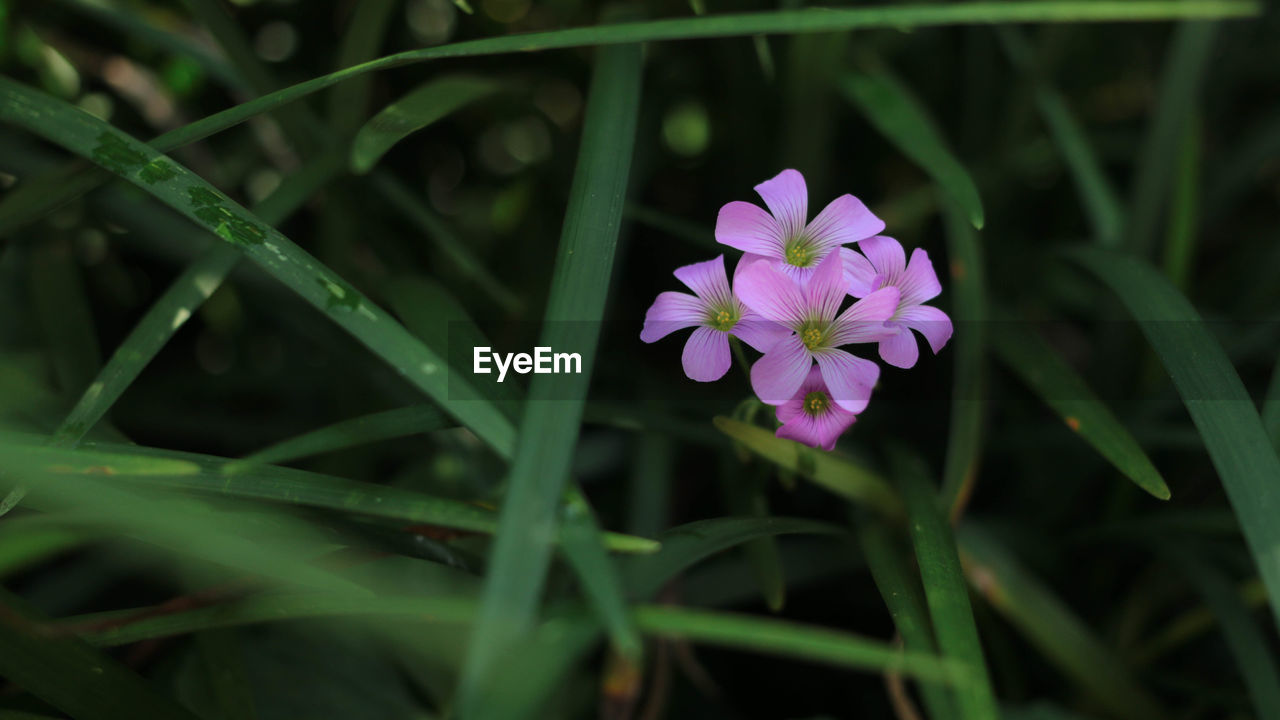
{"type": "Point", "coordinates": [787, 302]}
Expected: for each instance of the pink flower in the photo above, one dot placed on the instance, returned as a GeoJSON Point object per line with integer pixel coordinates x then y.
{"type": "Point", "coordinates": [811, 416]}
{"type": "Point", "coordinates": [809, 310]}
{"type": "Point", "coordinates": [715, 312]}
{"type": "Point", "coordinates": [885, 265]}
{"type": "Point", "coordinates": [785, 235]}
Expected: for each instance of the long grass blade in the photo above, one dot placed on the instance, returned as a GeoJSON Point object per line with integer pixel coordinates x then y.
{"type": "Point", "coordinates": [944, 586]}
{"type": "Point", "coordinates": [1215, 397]}
{"type": "Point", "coordinates": [581, 545]}
{"type": "Point", "coordinates": [1062, 388]}
{"type": "Point", "coordinates": [401, 422]}
{"type": "Point", "coordinates": [553, 413]}
{"type": "Point", "coordinates": [207, 207]}
{"type": "Point", "coordinates": [1271, 408]}
{"type": "Point", "coordinates": [365, 32]}
{"type": "Point", "coordinates": [709, 26]}
{"type": "Point", "coordinates": [413, 112]}
{"type": "Point", "coordinates": [893, 110]}
{"type": "Point", "coordinates": [1184, 210]}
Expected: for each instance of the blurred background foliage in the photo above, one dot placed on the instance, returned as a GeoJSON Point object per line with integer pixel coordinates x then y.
{"type": "Point", "coordinates": [1158, 142]}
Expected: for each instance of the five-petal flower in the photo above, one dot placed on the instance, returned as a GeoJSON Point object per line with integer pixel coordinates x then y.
{"type": "Point", "coordinates": [811, 416]}
{"type": "Point", "coordinates": [885, 265]}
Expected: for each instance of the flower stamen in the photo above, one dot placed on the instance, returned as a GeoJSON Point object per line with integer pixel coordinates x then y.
{"type": "Point", "coordinates": [811, 337]}
{"type": "Point", "coordinates": [816, 403]}
{"type": "Point", "coordinates": [799, 251]}
{"type": "Point", "coordinates": [722, 320]}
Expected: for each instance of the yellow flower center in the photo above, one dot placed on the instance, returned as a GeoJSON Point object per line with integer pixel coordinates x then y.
{"type": "Point", "coordinates": [816, 402]}
{"type": "Point", "coordinates": [799, 252]}
{"type": "Point", "coordinates": [811, 338]}
{"type": "Point", "coordinates": [722, 320]}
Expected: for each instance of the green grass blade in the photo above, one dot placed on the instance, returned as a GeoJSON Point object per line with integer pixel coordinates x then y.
{"type": "Point", "coordinates": [222, 660]}
{"type": "Point", "coordinates": [1062, 388]}
{"type": "Point", "coordinates": [744, 494]}
{"type": "Point", "coordinates": [1213, 394]}
{"type": "Point", "coordinates": [416, 110]}
{"type": "Point", "coordinates": [553, 413]}
{"type": "Point", "coordinates": [790, 639]}
{"type": "Point", "coordinates": [905, 599]}
{"type": "Point", "coordinates": [944, 586]}
{"type": "Point", "coordinates": [73, 677]}
{"type": "Point", "coordinates": [362, 430]}
{"type": "Point", "coordinates": [828, 470]}
{"type": "Point", "coordinates": [686, 545]}
{"type": "Point", "coordinates": [203, 204]}
{"type": "Point", "coordinates": [1180, 86]}
{"type": "Point", "coordinates": [365, 31]}
{"type": "Point", "coordinates": [1271, 408]}
{"type": "Point", "coordinates": [27, 541]}
{"type": "Point", "coordinates": [580, 543]}
{"type": "Point", "coordinates": [898, 115]}
{"type": "Point", "coordinates": [1057, 632]}
{"type": "Point", "coordinates": [1184, 210]}
{"type": "Point", "coordinates": [710, 26]}
{"type": "Point", "coordinates": [1099, 197]}
{"type": "Point", "coordinates": [968, 392]}
{"type": "Point", "coordinates": [61, 308]}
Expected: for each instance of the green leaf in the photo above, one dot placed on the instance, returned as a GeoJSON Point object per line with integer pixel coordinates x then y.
{"type": "Point", "coordinates": [1271, 408]}
{"type": "Point", "coordinates": [898, 115]}
{"type": "Point", "coordinates": [416, 110]}
{"type": "Point", "coordinates": [1184, 210]}
{"type": "Point", "coordinates": [944, 587]}
{"type": "Point", "coordinates": [553, 413]}
{"type": "Point", "coordinates": [1061, 636]}
{"type": "Point", "coordinates": [904, 598]}
{"type": "Point", "coordinates": [1095, 190]}
{"type": "Point", "coordinates": [814, 20]}
{"type": "Point", "coordinates": [206, 206]}
{"type": "Point", "coordinates": [362, 430]}
{"type": "Point", "coordinates": [73, 677]}
{"type": "Point", "coordinates": [829, 470]}
{"type": "Point", "coordinates": [1215, 397]}
{"type": "Point", "coordinates": [580, 543]}
{"type": "Point", "coordinates": [29, 540]}
{"type": "Point", "coordinates": [61, 308]}
{"type": "Point", "coordinates": [1061, 388]}
{"type": "Point", "coordinates": [366, 29]}
{"type": "Point", "coordinates": [744, 494]}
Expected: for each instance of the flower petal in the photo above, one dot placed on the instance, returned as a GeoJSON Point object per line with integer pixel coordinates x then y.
{"type": "Point", "coordinates": [761, 334]}
{"type": "Point", "coordinates": [776, 376]}
{"type": "Point", "coordinates": [849, 378]}
{"type": "Point", "coordinates": [919, 283]}
{"type": "Point", "coordinates": [672, 311]}
{"type": "Point", "coordinates": [900, 349]}
{"type": "Point", "coordinates": [930, 322]}
{"type": "Point", "coordinates": [749, 228]}
{"type": "Point", "coordinates": [707, 280]}
{"type": "Point", "coordinates": [864, 320]}
{"type": "Point", "coordinates": [860, 275]}
{"type": "Point", "coordinates": [826, 288]}
{"type": "Point", "coordinates": [706, 355]}
{"type": "Point", "coordinates": [844, 220]}
{"type": "Point", "coordinates": [788, 200]}
{"type": "Point", "coordinates": [886, 255]}
{"type": "Point", "coordinates": [770, 292]}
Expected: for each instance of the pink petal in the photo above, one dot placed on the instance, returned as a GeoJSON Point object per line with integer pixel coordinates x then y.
{"type": "Point", "coordinates": [672, 311]}
{"type": "Point", "coordinates": [707, 280]}
{"type": "Point", "coordinates": [930, 322]}
{"type": "Point", "coordinates": [770, 293]}
{"type": "Point", "coordinates": [750, 229]}
{"type": "Point", "coordinates": [900, 349]}
{"type": "Point", "coordinates": [859, 274]}
{"type": "Point", "coordinates": [759, 333]}
{"type": "Point", "coordinates": [849, 378]}
{"type": "Point", "coordinates": [886, 255]}
{"type": "Point", "coordinates": [919, 283]}
{"type": "Point", "coordinates": [706, 355]}
{"type": "Point", "coordinates": [776, 376]}
{"type": "Point", "coordinates": [845, 220]}
{"type": "Point", "coordinates": [826, 288]}
{"type": "Point", "coordinates": [864, 320]}
{"type": "Point", "coordinates": [788, 200]}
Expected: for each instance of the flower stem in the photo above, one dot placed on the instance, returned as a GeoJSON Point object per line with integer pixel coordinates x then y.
{"type": "Point", "coordinates": [741, 356]}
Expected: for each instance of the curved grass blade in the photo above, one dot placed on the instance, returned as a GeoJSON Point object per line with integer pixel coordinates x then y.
{"type": "Point", "coordinates": [61, 308]}
{"type": "Point", "coordinates": [1059, 634]}
{"type": "Point", "coordinates": [1180, 86]}
{"type": "Point", "coordinates": [744, 494]}
{"type": "Point", "coordinates": [829, 470]}
{"type": "Point", "coordinates": [553, 413]}
{"type": "Point", "coordinates": [190, 472]}
{"type": "Point", "coordinates": [709, 26]}
{"type": "Point", "coordinates": [203, 204]}
{"type": "Point", "coordinates": [416, 110]}
{"type": "Point", "coordinates": [365, 32]}
{"type": "Point", "coordinates": [362, 430]}
{"type": "Point", "coordinates": [68, 674]}
{"type": "Point", "coordinates": [968, 392]}
{"type": "Point", "coordinates": [1061, 388]}
{"type": "Point", "coordinates": [580, 543]}
{"type": "Point", "coordinates": [1095, 190]}
{"type": "Point", "coordinates": [899, 116]}
{"type": "Point", "coordinates": [945, 591]}
{"type": "Point", "coordinates": [904, 598]}
{"type": "Point", "coordinates": [1184, 208]}
{"type": "Point", "coordinates": [1193, 623]}
{"type": "Point", "coordinates": [27, 541]}
{"type": "Point", "coordinates": [1215, 397]}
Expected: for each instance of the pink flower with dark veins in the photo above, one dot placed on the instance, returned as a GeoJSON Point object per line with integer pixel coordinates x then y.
{"type": "Point", "coordinates": [885, 265]}
{"type": "Point", "coordinates": [811, 416]}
